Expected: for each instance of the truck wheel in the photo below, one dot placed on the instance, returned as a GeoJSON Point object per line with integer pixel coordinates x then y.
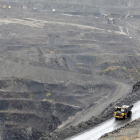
{"type": "Point", "coordinates": [129, 114]}
{"type": "Point", "coordinates": [125, 116]}
{"type": "Point", "coordinates": [117, 118]}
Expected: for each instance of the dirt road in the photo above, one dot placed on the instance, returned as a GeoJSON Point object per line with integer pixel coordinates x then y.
{"type": "Point", "coordinates": [108, 126]}
{"type": "Point", "coordinates": [121, 91]}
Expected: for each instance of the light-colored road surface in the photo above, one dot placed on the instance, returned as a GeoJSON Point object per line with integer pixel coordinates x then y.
{"type": "Point", "coordinates": [107, 126]}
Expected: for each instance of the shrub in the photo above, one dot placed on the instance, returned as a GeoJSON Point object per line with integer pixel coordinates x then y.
{"type": "Point", "coordinates": [79, 64]}
{"type": "Point", "coordinates": [48, 94]}
{"type": "Point", "coordinates": [101, 72]}
{"type": "Point", "coordinates": [31, 97]}
{"type": "Point", "coordinates": [74, 57]}
{"type": "Point", "coordinates": [124, 69]}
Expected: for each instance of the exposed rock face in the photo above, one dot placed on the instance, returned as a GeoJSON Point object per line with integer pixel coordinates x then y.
{"type": "Point", "coordinates": [61, 58]}
{"type": "Point", "coordinates": [27, 109]}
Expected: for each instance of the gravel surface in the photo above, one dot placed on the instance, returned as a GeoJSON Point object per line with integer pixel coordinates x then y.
{"type": "Point", "coordinates": [129, 131]}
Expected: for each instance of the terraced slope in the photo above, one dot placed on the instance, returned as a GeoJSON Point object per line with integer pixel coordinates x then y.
{"type": "Point", "coordinates": [26, 110]}
{"type": "Point", "coordinates": [62, 59]}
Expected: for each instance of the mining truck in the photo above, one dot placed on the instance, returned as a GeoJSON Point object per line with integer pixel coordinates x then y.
{"type": "Point", "coordinates": [123, 112]}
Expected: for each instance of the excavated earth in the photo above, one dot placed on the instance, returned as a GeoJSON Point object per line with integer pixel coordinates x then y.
{"type": "Point", "coordinates": [65, 62]}
{"type": "Point", "coordinates": [105, 115]}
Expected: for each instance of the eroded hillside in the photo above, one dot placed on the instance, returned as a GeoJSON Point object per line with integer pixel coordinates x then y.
{"type": "Point", "coordinates": [61, 60]}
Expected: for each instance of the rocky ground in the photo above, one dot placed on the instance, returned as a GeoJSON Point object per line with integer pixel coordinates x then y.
{"type": "Point", "coordinates": [105, 115]}
{"type": "Point", "coordinates": [130, 131]}
{"type": "Point", "coordinates": [64, 62]}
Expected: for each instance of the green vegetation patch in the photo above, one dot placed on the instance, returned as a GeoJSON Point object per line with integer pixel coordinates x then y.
{"type": "Point", "coordinates": [48, 94]}
{"type": "Point", "coordinates": [101, 73]}
{"type": "Point", "coordinates": [124, 69]}
{"type": "Point", "coordinates": [31, 97]}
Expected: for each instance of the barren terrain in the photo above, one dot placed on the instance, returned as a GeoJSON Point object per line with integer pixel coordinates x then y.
{"type": "Point", "coordinates": [64, 62]}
